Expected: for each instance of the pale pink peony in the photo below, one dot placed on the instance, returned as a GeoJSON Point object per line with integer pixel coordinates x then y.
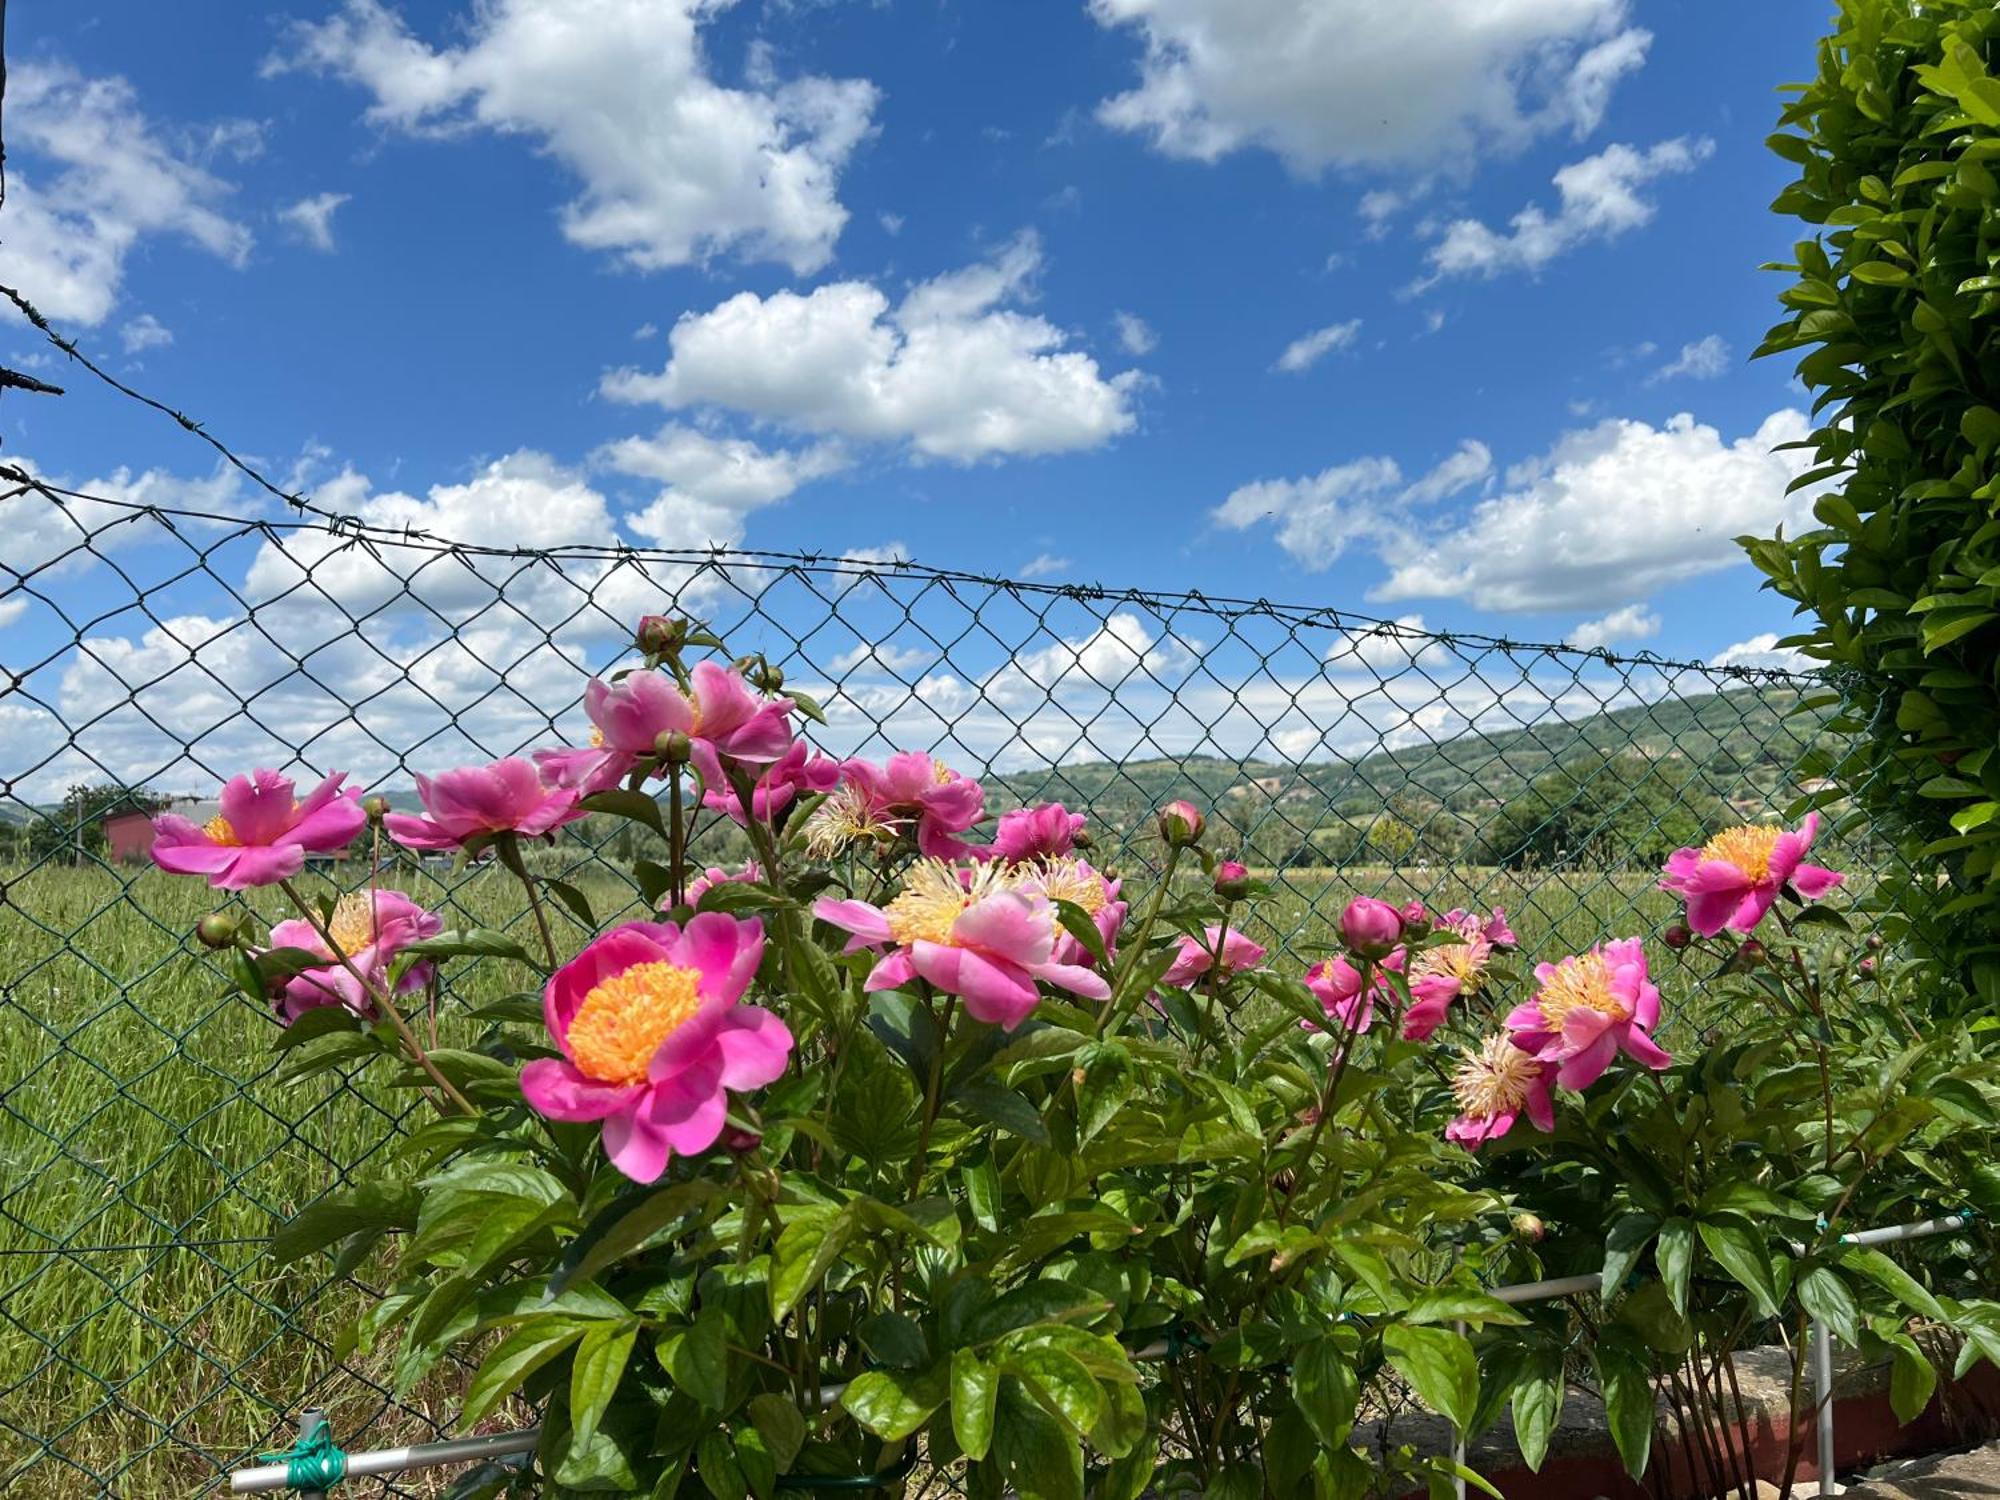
{"type": "Point", "coordinates": [1449, 970]}
{"type": "Point", "coordinates": [970, 932]}
{"type": "Point", "coordinates": [1045, 832]}
{"type": "Point", "coordinates": [262, 833]}
{"type": "Point", "coordinates": [1732, 880]}
{"type": "Point", "coordinates": [370, 932]}
{"type": "Point", "coordinates": [910, 793]}
{"type": "Point", "coordinates": [1196, 957]}
{"type": "Point", "coordinates": [1075, 881]}
{"type": "Point", "coordinates": [479, 801]}
{"type": "Point", "coordinates": [799, 769]}
{"type": "Point", "coordinates": [654, 1037]}
{"type": "Point", "coordinates": [1592, 1006]}
{"type": "Point", "coordinates": [1494, 1087]}
{"type": "Point", "coordinates": [719, 715]}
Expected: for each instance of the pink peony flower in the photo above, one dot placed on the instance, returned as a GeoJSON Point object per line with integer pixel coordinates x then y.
{"type": "Point", "coordinates": [911, 793]}
{"type": "Point", "coordinates": [1493, 929]}
{"type": "Point", "coordinates": [1074, 881]}
{"type": "Point", "coordinates": [1196, 958]}
{"type": "Point", "coordinates": [370, 933]}
{"type": "Point", "coordinates": [799, 769]}
{"type": "Point", "coordinates": [653, 1037]}
{"type": "Point", "coordinates": [1181, 824]}
{"type": "Point", "coordinates": [262, 833]}
{"type": "Point", "coordinates": [975, 933]}
{"type": "Point", "coordinates": [1732, 880]}
{"type": "Point", "coordinates": [1448, 970]}
{"type": "Point", "coordinates": [1336, 984]}
{"type": "Point", "coordinates": [479, 801]}
{"type": "Point", "coordinates": [1592, 1006]}
{"type": "Point", "coordinates": [1494, 1086]}
{"type": "Point", "coordinates": [751, 873]}
{"type": "Point", "coordinates": [719, 715]}
{"type": "Point", "coordinates": [1370, 927]}
{"type": "Point", "coordinates": [1045, 832]}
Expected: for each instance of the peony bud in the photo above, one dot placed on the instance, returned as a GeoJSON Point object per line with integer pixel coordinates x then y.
{"type": "Point", "coordinates": [1677, 935]}
{"type": "Point", "coordinates": [767, 678]}
{"type": "Point", "coordinates": [1081, 838]}
{"type": "Point", "coordinates": [1867, 968]}
{"type": "Point", "coordinates": [1874, 942]}
{"type": "Point", "coordinates": [658, 635]}
{"type": "Point", "coordinates": [1181, 824]}
{"type": "Point", "coordinates": [217, 930]}
{"type": "Point", "coordinates": [1415, 919]}
{"type": "Point", "coordinates": [1371, 928]}
{"type": "Point", "coordinates": [673, 747]}
{"type": "Point", "coordinates": [1529, 1227]}
{"type": "Point", "coordinates": [1751, 953]}
{"type": "Point", "coordinates": [739, 1140]}
{"type": "Point", "coordinates": [1232, 880]}
{"type": "Point", "coordinates": [377, 808]}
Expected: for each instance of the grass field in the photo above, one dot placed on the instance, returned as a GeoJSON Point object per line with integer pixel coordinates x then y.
{"type": "Point", "coordinates": [145, 1340]}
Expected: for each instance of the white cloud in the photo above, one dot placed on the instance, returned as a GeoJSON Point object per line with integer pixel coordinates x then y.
{"type": "Point", "coordinates": [881, 656]}
{"type": "Point", "coordinates": [1302, 353]}
{"type": "Point", "coordinates": [311, 219]}
{"type": "Point", "coordinates": [1363, 84]}
{"type": "Point", "coordinates": [1402, 642]}
{"type": "Point", "coordinates": [1763, 650]}
{"type": "Point", "coordinates": [1044, 564]}
{"type": "Point", "coordinates": [892, 224]}
{"type": "Point", "coordinates": [953, 369]}
{"type": "Point", "coordinates": [145, 332]}
{"type": "Point", "coordinates": [1704, 359]}
{"type": "Point", "coordinates": [1469, 464]}
{"type": "Point", "coordinates": [645, 331]}
{"type": "Point", "coordinates": [89, 177]}
{"type": "Point", "coordinates": [1634, 622]}
{"type": "Point", "coordinates": [1317, 516]}
{"type": "Point", "coordinates": [675, 167]}
{"type": "Point", "coordinates": [1599, 200]}
{"type": "Point", "coordinates": [1609, 514]}
{"type": "Point", "coordinates": [712, 483]}
{"type": "Point", "coordinates": [1135, 335]}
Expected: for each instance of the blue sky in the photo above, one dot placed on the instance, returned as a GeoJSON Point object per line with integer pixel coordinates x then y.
{"type": "Point", "coordinates": [1438, 309]}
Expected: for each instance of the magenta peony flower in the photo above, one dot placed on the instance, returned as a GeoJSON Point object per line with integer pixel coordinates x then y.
{"type": "Point", "coordinates": [262, 833]}
{"type": "Point", "coordinates": [799, 769]}
{"type": "Point", "coordinates": [1370, 927]}
{"type": "Point", "coordinates": [479, 801]}
{"type": "Point", "coordinates": [720, 714]}
{"type": "Point", "coordinates": [1450, 970]}
{"type": "Point", "coordinates": [1074, 881]}
{"type": "Point", "coordinates": [1196, 958]}
{"type": "Point", "coordinates": [751, 873]}
{"type": "Point", "coordinates": [911, 793]}
{"type": "Point", "coordinates": [1336, 984]}
{"type": "Point", "coordinates": [1494, 1086]}
{"type": "Point", "coordinates": [1732, 880]}
{"type": "Point", "coordinates": [1592, 1006]}
{"type": "Point", "coordinates": [1181, 824]}
{"type": "Point", "coordinates": [1045, 832]}
{"type": "Point", "coordinates": [370, 933]}
{"type": "Point", "coordinates": [973, 933]}
{"type": "Point", "coordinates": [653, 1038]}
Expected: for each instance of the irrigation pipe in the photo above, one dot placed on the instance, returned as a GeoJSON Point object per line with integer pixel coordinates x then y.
{"type": "Point", "coordinates": [316, 1449]}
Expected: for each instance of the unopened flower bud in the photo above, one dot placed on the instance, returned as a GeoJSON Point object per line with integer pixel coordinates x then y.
{"type": "Point", "coordinates": [1181, 824]}
{"type": "Point", "coordinates": [658, 635]}
{"type": "Point", "coordinates": [1874, 942]}
{"type": "Point", "coordinates": [740, 1141]}
{"type": "Point", "coordinates": [1529, 1227]}
{"type": "Point", "coordinates": [767, 678]}
{"type": "Point", "coordinates": [1867, 968]}
{"type": "Point", "coordinates": [217, 930]}
{"type": "Point", "coordinates": [1416, 920]}
{"type": "Point", "coordinates": [1751, 953]}
{"type": "Point", "coordinates": [1371, 928]}
{"type": "Point", "coordinates": [674, 748]}
{"type": "Point", "coordinates": [377, 808]}
{"type": "Point", "coordinates": [1232, 880]}
{"type": "Point", "coordinates": [1677, 935]}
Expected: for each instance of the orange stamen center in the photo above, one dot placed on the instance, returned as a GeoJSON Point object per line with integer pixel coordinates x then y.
{"type": "Point", "coordinates": [217, 830]}
{"type": "Point", "coordinates": [623, 1020]}
{"type": "Point", "coordinates": [1748, 848]}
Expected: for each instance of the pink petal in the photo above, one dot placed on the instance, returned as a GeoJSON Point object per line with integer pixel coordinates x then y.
{"type": "Point", "coordinates": [725, 950]}
{"type": "Point", "coordinates": [1010, 926]}
{"type": "Point", "coordinates": [1814, 881]}
{"type": "Point", "coordinates": [413, 832]}
{"type": "Point", "coordinates": [260, 866]}
{"type": "Point", "coordinates": [892, 973]}
{"type": "Point", "coordinates": [614, 953]}
{"type": "Point", "coordinates": [858, 917]}
{"type": "Point", "coordinates": [331, 827]}
{"type": "Point", "coordinates": [995, 991]}
{"type": "Point", "coordinates": [1079, 979]}
{"type": "Point", "coordinates": [635, 1145]}
{"type": "Point", "coordinates": [1645, 1050]}
{"type": "Point", "coordinates": [1584, 1068]}
{"type": "Point", "coordinates": [259, 807]}
{"type": "Point", "coordinates": [554, 1087]}
{"type": "Point", "coordinates": [754, 1046]}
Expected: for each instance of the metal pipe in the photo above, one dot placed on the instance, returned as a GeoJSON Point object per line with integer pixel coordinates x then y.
{"type": "Point", "coordinates": [1458, 1437]}
{"type": "Point", "coordinates": [395, 1460]}
{"type": "Point", "coordinates": [310, 1421]}
{"type": "Point", "coordinates": [1543, 1291]}
{"type": "Point", "coordinates": [1822, 1379]}
{"type": "Point", "coordinates": [1922, 1229]}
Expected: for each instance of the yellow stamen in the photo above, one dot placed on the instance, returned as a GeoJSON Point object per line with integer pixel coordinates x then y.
{"type": "Point", "coordinates": [1495, 1079]}
{"type": "Point", "coordinates": [217, 830]}
{"type": "Point", "coordinates": [1068, 880]}
{"type": "Point", "coordinates": [1748, 848]}
{"type": "Point", "coordinates": [1581, 982]}
{"type": "Point", "coordinates": [623, 1020]}
{"type": "Point", "coordinates": [942, 773]}
{"type": "Point", "coordinates": [844, 819]}
{"type": "Point", "coordinates": [596, 738]}
{"type": "Point", "coordinates": [1461, 961]}
{"type": "Point", "coordinates": [353, 924]}
{"type": "Point", "coordinates": [934, 897]}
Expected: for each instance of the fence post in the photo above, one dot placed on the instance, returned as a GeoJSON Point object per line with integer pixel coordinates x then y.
{"type": "Point", "coordinates": [1458, 1435]}
{"type": "Point", "coordinates": [1822, 1379]}
{"type": "Point", "coordinates": [310, 1422]}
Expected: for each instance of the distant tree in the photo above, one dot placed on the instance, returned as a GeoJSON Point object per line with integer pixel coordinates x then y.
{"type": "Point", "coordinates": [75, 828]}
{"type": "Point", "coordinates": [1606, 812]}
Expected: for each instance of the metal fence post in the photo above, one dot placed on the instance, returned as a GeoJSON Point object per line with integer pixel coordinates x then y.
{"type": "Point", "coordinates": [1458, 1436]}
{"type": "Point", "coordinates": [1822, 1379]}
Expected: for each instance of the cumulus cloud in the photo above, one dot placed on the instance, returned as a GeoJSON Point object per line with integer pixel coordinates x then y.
{"type": "Point", "coordinates": [1634, 622]}
{"type": "Point", "coordinates": [1599, 199]}
{"type": "Point", "coordinates": [1135, 335]}
{"type": "Point", "coordinates": [881, 656]}
{"type": "Point", "coordinates": [1317, 517]}
{"type": "Point", "coordinates": [1429, 84]}
{"type": "Point", "coordinates": [1045, 563]}
{"type": "Point", "coordinates": [954, 369]}
{"type": "Point", "coordinates": [89, 177]}
{"type": "Point", "coordinates": [1608, 515]}
{"type": "Point", "coordinates": [1704, 359]}
{"type": "Point", "coordinates": [311, 219]}
{"type": "Point", "coordinates": [1302, 353]}
{"type": "Point", "coordinates": [1471, 463]}
{"type": "Point", "coordinates": [1763, 650]}
{"type": "Point", "coordinates": [145, 332]}
{"type": "Point", "coordinates": [1402, 642]}
{"type": "Point", "coordinates": [674, 166]}
{"type": "Point", "coordinates": [712, 483]}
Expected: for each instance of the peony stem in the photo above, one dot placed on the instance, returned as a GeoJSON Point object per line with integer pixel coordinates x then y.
{"type": "Point", "coordinates": [381, 1000]}
{"type": "Point", "coordinates": [509, 847]}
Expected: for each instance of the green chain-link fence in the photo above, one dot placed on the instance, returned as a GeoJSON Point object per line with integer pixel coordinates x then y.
{"type": "Point", "coordinates": [148, 1140]}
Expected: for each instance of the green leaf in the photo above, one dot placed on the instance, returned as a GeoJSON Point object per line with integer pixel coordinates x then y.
{"type": "Point", "coordinates": [1037, 1302]}
{"type": "Point", "coordinates": [1003, 1107]}
{"type": "Point", "coordinates": [374, 1208]}
{"type": "Point", "coordinates": [1038, 1457]}
{"type": "Point", "coordinates": [1537, 1405]}
{"type": "Point", "coordinates": [1326, 1389]}
{"type": "Point", "coordinates": [511, 1361]}
{"type": "Point", "coordinates": [1059, 1382]}
{"type": "Point", "coordinates": [637, 807]}
{"type": "Point", "coordinates": [810, 1242]}
{"type": "Point", "coordinates": [321, 1020]}
{"type": "Point", "coordinates": [1451, 1304]}
{"type": "Point", "coordinates": [1674, 1254]}
{"type": "Point", "coordinates": [698, 1359]}
{"type": "Point", "coordinates": [715, 1464]}
{"type": "Point", "coordinates": [975, 1387]}
{"type": "Point", "coordinates": [594, 1377]}
{"type": "Point", "coordinates": [612, 1237]}
{"type": "Point", "coordinates": [1866, 1261]}
{"type": "Point", "coordinates": [1440, 1367]}
{"type": "Point", "coordinates": [782, 1424]}
{"type": "Point", "coordinates": [892, 1404]}
{"type": "Point", "coordinates": [1740, 1250]}
{"type": "Point", "coordinates": [1825, 1295]}
{"type": "Point", "coordinates": [1083, 927]}
{"type": "Point", "coordinates": [1622, 1247]}
{"type": "Point", "coordinates": [1627, 1385]}
{"type": "Point", "coordinates": [1912, 1378]}
{"type": "Point", "coordinates": [574, 899]}
{"type": "Point", "coordinates": [475, 942]}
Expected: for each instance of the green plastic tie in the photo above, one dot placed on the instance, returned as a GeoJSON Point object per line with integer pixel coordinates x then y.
{"type": "Point", "coordinates": [314, 1462]}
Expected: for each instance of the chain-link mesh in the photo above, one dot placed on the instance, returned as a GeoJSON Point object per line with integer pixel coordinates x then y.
{"type": "Point", "coordinates": [149, 1140]}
